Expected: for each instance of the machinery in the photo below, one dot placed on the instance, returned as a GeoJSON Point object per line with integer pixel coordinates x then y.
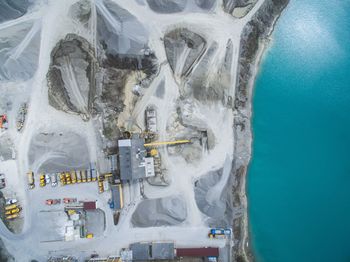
{"type": "Point", "coordinates": [219, 233]}
{"type": "Point", "coordinates": [3, 122]}
{"type": "Point", "coordinates": [167, 143]}
{"type": "Point", "coordinates": [68, 178]}
{"type": "Point", "coordinates": [78, 176]}
{"type": "Point", "coordinates": [83, 176]}
{"type": "Point", "coordinates": [13, 211]}
{"type": "Point", "coordinates": [73, 176]}
{"type": "Point", "coordinates": [30, 176]}
{"type": "Point", "coordinates": [50, 202]}
{"type": "Point", "coordinates": [62, 179]}
{"type": "Point", "coordinates": [42, 180]}
{"type": "Point", "coordinates": [9, 207]}
{"type": "Point", "coordinates": [10, 217]}
{"type": "Point", "coordinates": [11, 201]}
{"type": "Point", "coordinates": [54, 180]}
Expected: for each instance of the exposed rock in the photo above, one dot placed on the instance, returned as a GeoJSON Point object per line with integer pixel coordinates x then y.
{"type": "Point", "coordinates": [183, 48]}
{"type": "Point", "coordinates": [205, 4]}
{"type": "Point", "coordinates": [71, 75]}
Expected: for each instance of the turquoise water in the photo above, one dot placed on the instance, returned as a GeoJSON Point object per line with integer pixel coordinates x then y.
{"type": "Point", "coordinates": [299, 178]}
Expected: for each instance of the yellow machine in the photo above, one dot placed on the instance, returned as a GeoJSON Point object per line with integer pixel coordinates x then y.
{"type": "Point", "coordinates": [42, 180]}
{"type": "Point", "coordinates": [12, 216]}
{"type": "Point", "coordinates": [89, 235]}
{"type": "Point", "coordinates": [71, 212]}
{"type": "Point", "coordinates": [83, 176]}
{"type": "Point", "coordinates": [62, 179]}
{"type": "Point", "coordinates": [167, 143]}
{"type": "Point", "coordinates": [68, 178]}
{"type": "Point", "coordinates": [9, 207]}
{"type": "Point", "coordinates": [73, 176]}
{"type": "Point", "coordinates": [12, 211]}
{"type": "Point", "coordinates": [154, 152]}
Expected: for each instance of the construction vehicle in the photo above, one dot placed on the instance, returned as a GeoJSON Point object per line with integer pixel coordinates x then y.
{"type": "Point", "coordinates": [3, 122]}
{"type": "Point", "coordinates": [30, 176]}
{"type": "Point", "coordinates": [54, 180]}
{"type": "Point", "coordinates": [93, 175]}
{"type": "Point", "coordinates": [73, 176]}
{"type": "Point", "coordinates": [167, 143]}
{"type": "Point", "coordinates": [11, 201]}
{"type": "Point", "coordinates": [13, 211]}
{"type": "Point", "coordinates": [219, 233]}
{"type": "Point", "coordinates": [71, 212]}
{"type": "Point", "coordinates": [21, 116]}
{"type": "Point", "coordinates": [63, 179]}
{"type": "Point", "coordinates": [89, 235]}
{"type": "Point", "coordinates": [88, 175]}
{"type": "Point", "coordinates": [10, 217]}
{"type": "Point", "coordinates": [78, 176]}
{"type": "Point", "coordinates": [47, 179]}
{"type": "Point", "coordinates": [68, 178]}
{"type": "Point", "coordinates": [68, 200]}
{"type": "Point", "coordinates": [50, 202]}
{"type": "Point", "coordinates": [42, 180]}
{"type": "Point", "coordinates": [2, 181]}
{"type": "Point", "coordinates": [9, 207]}
{"type": "Point", "coordinates": [83, 176]}
{"type": "Point", "coordinates": [100, 184]}
{"type": "Point", "coordinates": [151, 119]}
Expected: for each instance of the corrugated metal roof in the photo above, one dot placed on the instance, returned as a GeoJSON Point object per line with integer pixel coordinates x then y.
{"type": "Point", "coordinates": [89, 205]}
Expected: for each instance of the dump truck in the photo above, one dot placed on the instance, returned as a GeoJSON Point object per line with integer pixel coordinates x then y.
{"type": "Point", "coordinates": [83, 176]}
{"type": "Point", "coordinates": [73, 176]}
{"type": "Point", "coordinates": [68, 178]}
{"type": "Point", "coordinates": [89, 235]}
{"type": "Point", "coordinates": [30, 176]}
{"type": "Point", "coordinates": [78, 176]}
{"type": "Point", "coordinates": [13, 211]}
{"type": "Point", "coordinates": [10, 217]}
{"type": "Point", "coordinates": [62, 179]}
{"type": "Point", "coordinates": [42, 180]}
{"type": "Point", "coordinates": [93, 175]}
{"type": "Point", "coordinates": [88, 175]}
{"type": "Point", "coordinates": [9, 207]}
{"type": "Point", "coordinates": [54, 180]}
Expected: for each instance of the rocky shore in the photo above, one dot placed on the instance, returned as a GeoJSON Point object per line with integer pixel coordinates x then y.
{"type": "Point", "coordinates": [254, 40]}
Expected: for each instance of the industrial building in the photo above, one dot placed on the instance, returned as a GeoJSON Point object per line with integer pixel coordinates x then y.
{"type": "Point", "coordinates": [152, 251]}
{"type": "Point", "coordinates": [133, 161]}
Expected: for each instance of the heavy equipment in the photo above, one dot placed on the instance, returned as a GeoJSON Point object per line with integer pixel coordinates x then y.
{"type": "Point", "coordinates": [68, 178]}
{"type": "Point", "coordinates": [11, 201]}
{"type": "Point", "coordinates": [30, 176]}
{"type": "Point", "coordinates": [13, 211]}
{"type": "Point", "coordinates": [88, 175]}
{"type": "Point", "coordinates": [9, 207]}
{"type": "Point", "coordinates": [83, 176]}
{"type": "Point", "coordinates": [10, 217]}
{"type": "Point", "coordinates": [73, 176]}
{"type": "Point", "coordinates": [167, 143]}
{"type": "Point", "coordinates": [89, 235]}
{"type": "Point", "coordinates": [42, 180]}
{"type": "Point", "coordinates": [3, 122]}
{"type": "Point", "coordinates": [54, 180]}
{"type": "Point", "coordinates": [63, 179]}
{"type": "Point", "coordinates": [78, 176]}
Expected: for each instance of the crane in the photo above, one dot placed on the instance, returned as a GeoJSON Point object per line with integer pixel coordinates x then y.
{"type": "Point", "coordinates": [166, 143]}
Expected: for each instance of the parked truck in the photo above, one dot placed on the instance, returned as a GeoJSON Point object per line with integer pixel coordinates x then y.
{"type": "Point", "coordinates": [30, 176]}
{"type": "Point", "coordinates": [78, 176]}
{"type": "Point", "coordinates": [9, 207]}
{"type": "Point", "coordinates": [83, 176]}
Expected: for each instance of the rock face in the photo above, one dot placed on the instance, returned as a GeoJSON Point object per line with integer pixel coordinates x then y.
{"type": "Point", "coordinates": [167, 6]}
{"type": "Point", "coordinates": [160, 212]}
{"type": "Point", "coordinates": [183, 48]}
{"type": "Point", "coordinates": [71, 75]}
{"type": "Point", "coordinates": [12, 9]}
{"type": "Point", "coordinates": [19, 51]}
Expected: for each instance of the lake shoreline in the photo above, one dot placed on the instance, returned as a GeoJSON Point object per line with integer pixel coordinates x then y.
{"type": "Point", "coordinates": [255, 40]}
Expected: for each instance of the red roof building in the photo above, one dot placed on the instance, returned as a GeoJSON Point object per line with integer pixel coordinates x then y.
{"type": "Point", "coordinates": [91, 205]}
{"type": "Point", "coordinates": [197, 252]}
